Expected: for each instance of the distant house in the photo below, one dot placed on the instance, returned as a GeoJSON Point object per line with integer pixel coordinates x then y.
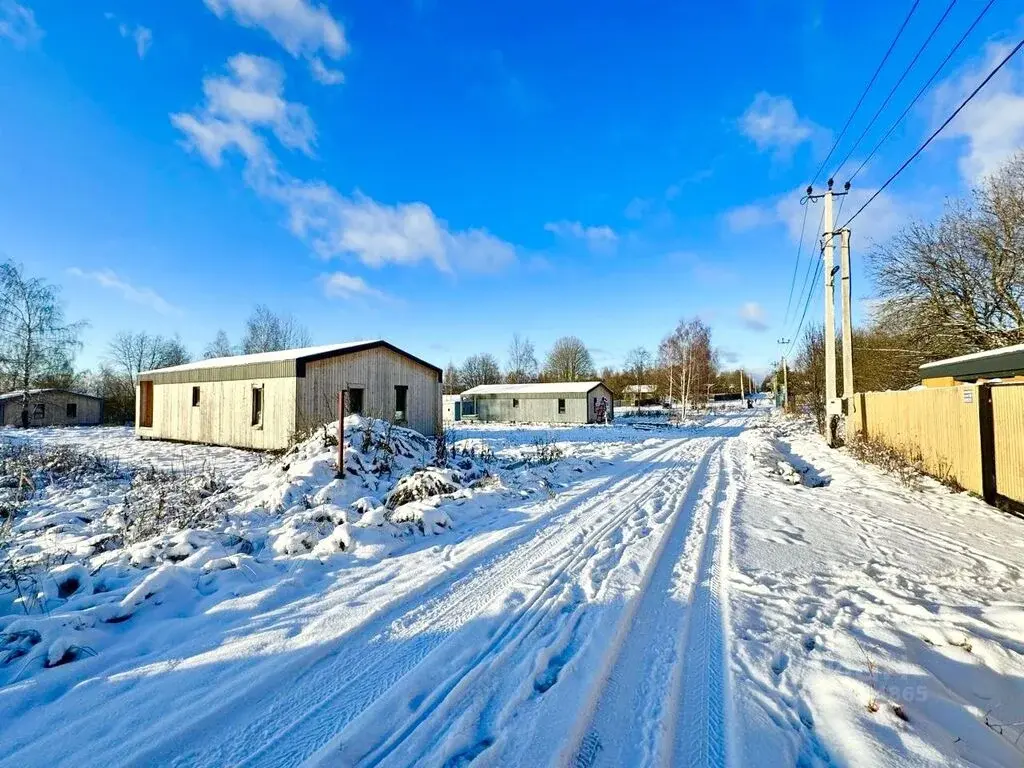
{"type": "Point", "coordinates": [51, 408]}
{"type": "Point", "coordinates": [574, 402]}
{"type": "Point", "coordinates": [265, 400]}
{"type": "Point", "coordinates": [452, 408]}
{"type": "Point", "coordinates": [640, 394]}
{"type": "Point", "coordinates": [1005, 364]}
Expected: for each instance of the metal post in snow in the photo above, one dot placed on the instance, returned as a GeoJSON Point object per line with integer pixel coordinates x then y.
{"type": "Point", "coordinates": [341, 435]}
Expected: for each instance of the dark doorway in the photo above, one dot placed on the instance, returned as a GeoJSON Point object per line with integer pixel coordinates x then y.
{"type": "Point", "coordinates": [355, 400]}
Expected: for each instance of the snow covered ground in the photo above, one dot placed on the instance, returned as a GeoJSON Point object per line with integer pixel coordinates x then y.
{"type": "Point", "coordinates": [730, 592]}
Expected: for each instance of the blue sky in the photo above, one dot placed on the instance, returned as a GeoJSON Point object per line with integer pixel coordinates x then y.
{"type": "Point", "coordinates": [445, 174]}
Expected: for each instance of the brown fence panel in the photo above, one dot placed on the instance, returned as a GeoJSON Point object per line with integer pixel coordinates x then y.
{"type": "Point", "coordinates": [938, 426]}
{"type": "Point", "coordinates": [1008, 429]}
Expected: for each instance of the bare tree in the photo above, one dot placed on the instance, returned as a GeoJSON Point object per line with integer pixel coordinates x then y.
{"type": "Point", "coordinates": [569, 360]}
{"type": "Point", "coordinates": [129, 354]}
{"type": "Point", "coordinates": [269, 332]}
{"type": "Point", "coordinates": [479, 369]}
{"type": "Point", "coordinates": [35, 339]}
{"type": "Point", "coordinates": [691, 361]}
{"type": "Point", "coordinates": [219, 347]}
{"type": "Point", "coordinates": [452, 379]}
{"type": "Point", "coordinates": [957, 285]}
{"type": "Point", "coordinates": [638, 366]}
{"type": "Point", "coordinates": [522, 361]}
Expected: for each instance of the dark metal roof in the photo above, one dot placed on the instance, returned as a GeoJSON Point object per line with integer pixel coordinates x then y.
{"type": "Point", "coordinates": [19, 393]}
{"type": "Point", "coordinates": [991, 364]}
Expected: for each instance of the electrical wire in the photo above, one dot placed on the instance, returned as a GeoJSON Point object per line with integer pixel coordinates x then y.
{"type": "Point", "coordinates": [923, 89]}
{"type": "Point", "coordinates": [796, 265]}
{"type": "Point", "coordinates": [937, 131]}
{"type": "Point", "coordinates": [867, 88]}
{"type": "Point", "coordinates": [810, 265]}
{"type": "Point", "coordinates": [807, 304]}
{"type": "Point", "coordinates": [892, 91]}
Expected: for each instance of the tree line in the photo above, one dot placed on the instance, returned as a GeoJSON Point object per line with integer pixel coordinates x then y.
{"type": "Point", "coordinates": [944, 288]}
{"type": "Point", "coordinates": [38, 345]}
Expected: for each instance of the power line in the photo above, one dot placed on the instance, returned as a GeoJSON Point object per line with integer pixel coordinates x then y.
{"type": "Point", "coordinates": [807, 304]}
{"type": "Point", "coordinates": [810, 265]}
{"type": "Point", "coordinates": [937, 131]}
{"type": "Point", "coordinates": [892, 91]}
{"type": "Point", "coordinates": [796, 265]}
{"type": "Point", "coordinates": [924, 88]}
{"type": "Point", "coordinates": [867, 88]}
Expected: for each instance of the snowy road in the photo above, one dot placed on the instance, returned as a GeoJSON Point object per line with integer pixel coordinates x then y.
{"type": "Point", "coordinates": [684, 605]}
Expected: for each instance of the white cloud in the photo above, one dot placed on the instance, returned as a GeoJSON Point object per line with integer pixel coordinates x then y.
{"type": "Point", "coordinates": [142, 36]}
{"type": "Point", "coordinates": [637, 208]}
{"type": "Point", "coordinates": [302, 28]}
{"type": "Point", "coordinates": [877, 223]}
{"type": "Point", "coordinates": [339, 285]}
{"type": "Point", "coordinates": [752, 316]}
{"type": "Point", "coordinates": [240, 111]}
{"type": "Point", "coordinates": [323, 74]}
{"type": "Point", "coordinates": [146, 296]}
{"type": "Point", "coordinates": [993, 123]}
{"type": "Point", "coordinates": [248, 98]}
{"type": "Point", "coordinates": [18, 24]}
{"type": "Point", "coordinates": [596, 238]}
{"type": "Point", "coordinates": [773, 124]}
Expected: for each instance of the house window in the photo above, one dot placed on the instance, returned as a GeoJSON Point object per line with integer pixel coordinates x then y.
{"type": "Point", "coordinates": [515, 402]}
{"type": "Point", "coordinates": [145, 403]}
{"type": "Point", "coordinates": [355, 401]}
{"type": "Point", "coordinates": [469, 408]}
{"type": "Point", "coordinates": [71, 411]}
{"type": "Point", "coordinates": [195, 397]}
{"type": "Point", "coordinates": [401, 400]}
{"type": "Point", "coordinates": [561, 405]}
{"type": "Point", "coordinates": [39, 411]}
{"type": "Point", "coordinates": [257, 406]}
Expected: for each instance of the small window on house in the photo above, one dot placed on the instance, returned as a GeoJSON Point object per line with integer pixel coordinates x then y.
{"type": "Point", "coordinates": [257, 406]}
{"type": "Point", "coordinates": [72, 411]}
{"type": "Point", "coordinates": [39, 411]}
{"type": "Point", "coordinates": [561, 405]}
{"type": "Point", "coordinates": [515, 402]}
{"type": "Point", "coordinates": [145, 403]}
{"type": "Point", "coordinates": [401, 400]}
{"type": "Point", "coordinates": [195, 397]}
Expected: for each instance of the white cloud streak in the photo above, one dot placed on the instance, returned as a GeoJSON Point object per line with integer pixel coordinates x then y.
{"type": "Point", "coordinates": [339, 285]}
{"type": "Point", "coordinates": [300, 27]}
{"type": "Point", "coordinates": [18, 24]}
{"type": "Point", "coordinates": [773, 124]}
{"type": "Point", "coordinates": [247, 106]}
{"type": "Point", "coordinates": [596, 238]}
{"type": "Point", "coordinates": [752, 316]}
{"type": "Point", "coordinates": [138, 295]}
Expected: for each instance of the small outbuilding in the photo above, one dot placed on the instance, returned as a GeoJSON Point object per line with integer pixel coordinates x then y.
{"type": "Point", "coordinates": [266, 401]}
{"type": "Point", "coordinates": [50, 408]}
{"type": "Point", "coordinates": [1004, 364]}
{"type": "Point", "coordinates": [566, 402]}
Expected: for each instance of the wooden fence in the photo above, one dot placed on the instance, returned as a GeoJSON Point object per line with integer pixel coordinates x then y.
{"type": "Point", "coordinates": [972, 434]}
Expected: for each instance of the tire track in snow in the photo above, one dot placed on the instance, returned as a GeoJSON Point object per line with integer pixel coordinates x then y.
{"type": "Point", "coordinates": [631, 722]}
{"type": "Point", "coordinates": [306, 712]}
{"type": "Point", "coordinates": [483, 697]}
{"type": "Point", "coordinates": [702, 738]}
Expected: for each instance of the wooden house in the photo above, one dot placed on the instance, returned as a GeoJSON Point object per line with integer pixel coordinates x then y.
{"type": "Point", "coordinates": [51, 408]}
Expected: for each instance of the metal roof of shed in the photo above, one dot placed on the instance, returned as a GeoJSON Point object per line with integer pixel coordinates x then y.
{"type": "Point", "coordinates": [20, 393]}
{"type": "Point", "coordinates": [992, 363]}
{"type": "Point", "coordinates": [548, 388]}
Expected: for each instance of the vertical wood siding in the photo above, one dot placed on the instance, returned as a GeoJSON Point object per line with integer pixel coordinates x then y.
{"type": "Point", "coordinates": [90, 410]}
{"type": "Point", "coordinates": [936, 425]}
{"type": "Point", "coordinates": [224, 413]}
{"type": "Point", "coordinates": [377, 371]}
{"type": "Point", "coordinates": [1008, 429]}
{"type": "Point", "coordinates": [540, 408]}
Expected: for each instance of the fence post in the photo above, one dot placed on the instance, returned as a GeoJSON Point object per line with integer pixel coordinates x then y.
{"type": "Point", "coordinates": [341, 435]}
{"type": "Point", "coordinates": [988, 444]}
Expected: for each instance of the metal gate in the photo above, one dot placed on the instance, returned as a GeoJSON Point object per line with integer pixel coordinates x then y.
{"type": "Point", "coordinates": [1002, 425]}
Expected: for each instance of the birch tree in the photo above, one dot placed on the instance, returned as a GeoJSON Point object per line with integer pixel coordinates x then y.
{"type": "Point", "coordinates": [522, 361]}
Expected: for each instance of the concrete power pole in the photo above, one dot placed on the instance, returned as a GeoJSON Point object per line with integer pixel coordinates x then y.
{"type": "Point", "coordinates": [830, 316]}
{"type": "Point", "coordinates": [847, 334]}
{"type": "Point", "coordinates": [785, 377]}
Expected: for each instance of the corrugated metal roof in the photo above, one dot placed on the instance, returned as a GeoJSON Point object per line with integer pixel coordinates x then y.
{"type": "Point", "coordinates": [21, 392]}
{"type": "Point", "coordinates": [551, 388]}
{"type": "Point", "coordinates": [280, 356]}
{"type": "Point", "coordinates": [1005, 361]}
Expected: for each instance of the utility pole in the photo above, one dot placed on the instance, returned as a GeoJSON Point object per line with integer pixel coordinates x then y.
{"type": "Point", "coordinates": [847, 336]}
{"type": "Point", "coordinates": [785, 377]}
{"type": "Point", "coordinates": [832, 404]}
